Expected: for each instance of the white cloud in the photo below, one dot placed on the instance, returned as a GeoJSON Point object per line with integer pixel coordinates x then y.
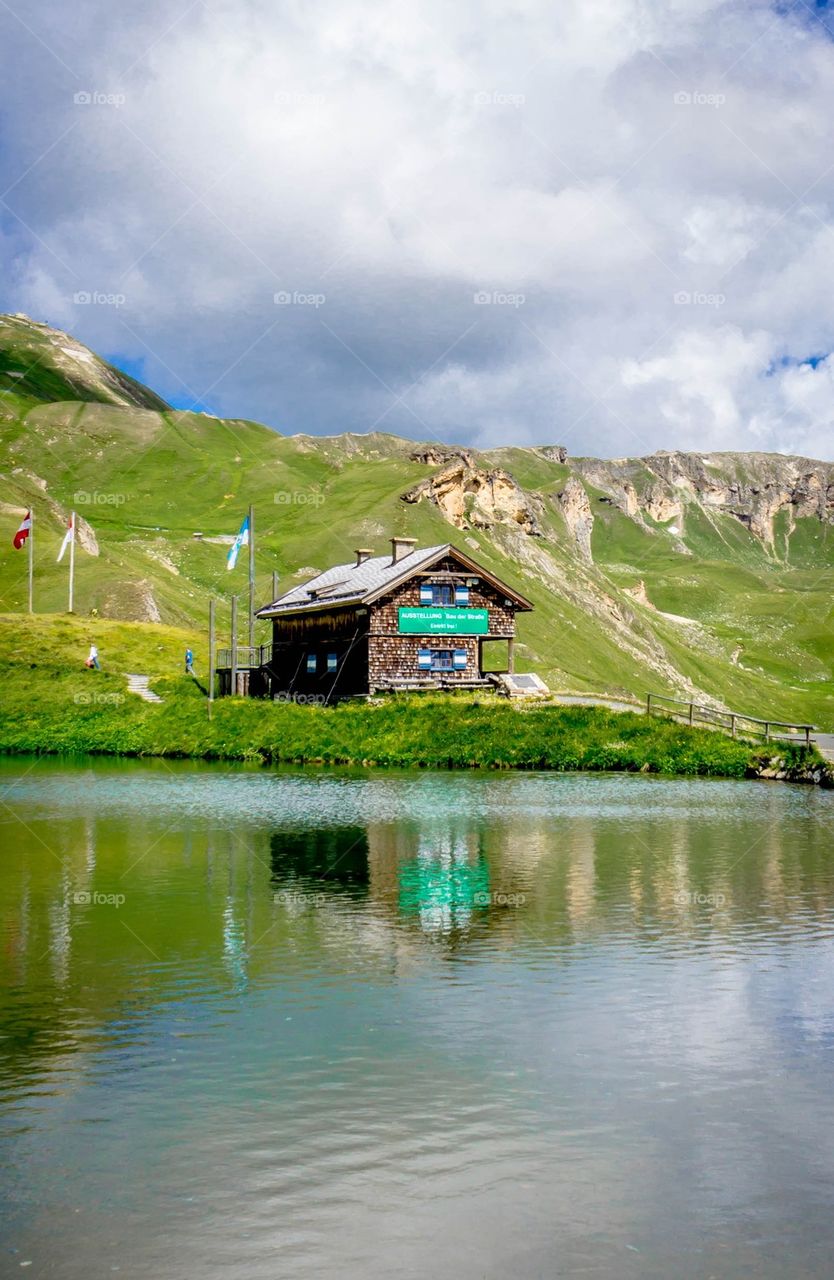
{"type": "Point", "coordinates": [399, 161]}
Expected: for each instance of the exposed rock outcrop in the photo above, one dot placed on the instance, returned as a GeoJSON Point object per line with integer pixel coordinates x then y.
{"type": "Point", "coordinates": [553, 452]}
{"type": "Point", "coordinates": [576, 509]}
{"type": "Point", "coordinates": [435, 455]}
{"type": "Point", "coordinates": [471, 497]}
{"type": "Point", "coordinates": [753, 488]}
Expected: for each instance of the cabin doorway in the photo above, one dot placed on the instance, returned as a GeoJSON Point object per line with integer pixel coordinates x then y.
{"type": "Point", "coordinates": [496, 657]}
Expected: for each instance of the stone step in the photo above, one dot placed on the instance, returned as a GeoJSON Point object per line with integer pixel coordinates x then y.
{"type": "Point", "coordinates": [139, 685]}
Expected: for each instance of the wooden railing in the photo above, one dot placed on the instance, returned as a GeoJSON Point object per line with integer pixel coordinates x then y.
{"type": "Point", "coordinates": [733, 721]}
{"type": "Point", "coordinates": [245, 655]}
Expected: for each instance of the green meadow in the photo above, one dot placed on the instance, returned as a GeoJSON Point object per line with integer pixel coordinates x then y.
{"type": "Point", "coordinates": [51, 704]}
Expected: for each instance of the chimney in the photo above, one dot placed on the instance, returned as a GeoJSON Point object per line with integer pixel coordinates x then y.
{"type": "Point", "coordinates": [401, 547]}
{"type": "Point", "coordinates": [362, 554]}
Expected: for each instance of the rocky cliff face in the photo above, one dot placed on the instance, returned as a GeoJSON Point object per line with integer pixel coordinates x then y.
{"type": "Point", "coordinates": [659, 490]}
{"type": "Point", "coordinates": [471, 497]}
{"type": "Point", "coordinates": [753, 488]}
{"type": "Point", "coordinates": [576, 509]}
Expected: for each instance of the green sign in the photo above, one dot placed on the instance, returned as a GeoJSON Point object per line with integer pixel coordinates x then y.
{"type": "Point", "coordinates": [444, 621]}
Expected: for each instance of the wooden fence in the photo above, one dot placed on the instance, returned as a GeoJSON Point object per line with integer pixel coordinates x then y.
{"type": "Point", "coordinates": [733, 721]}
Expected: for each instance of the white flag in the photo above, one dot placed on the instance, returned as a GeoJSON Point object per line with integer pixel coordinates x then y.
{"type": "Point", "coordinates": [69, 537]}
{"type": "Point", "coordinates": [242, 540]}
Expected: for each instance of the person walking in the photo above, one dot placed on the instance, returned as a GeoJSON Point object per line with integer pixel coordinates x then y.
{"type": "Point", "coordinates": [189, 663]}
{"type": "Point", "coordinates": [92, 659]}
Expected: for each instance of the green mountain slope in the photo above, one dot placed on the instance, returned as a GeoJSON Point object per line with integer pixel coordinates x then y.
{"type": "Point", "coordinates": [710, 576]}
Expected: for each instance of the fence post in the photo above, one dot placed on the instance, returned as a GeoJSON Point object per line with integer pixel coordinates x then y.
{"type": "Point", "coordinates": [767, 731]}
{"type": "Point", "coordinates": [807, 735]}
{"type": "Point", "coordinates": [691, 714]}
{"type": "Point", "coordinates": [648, 704]}
{"type": "Point", "coordinates": [732, 724]}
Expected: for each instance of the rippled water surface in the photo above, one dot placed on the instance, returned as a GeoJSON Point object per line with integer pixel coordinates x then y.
{"type": "Point", "coordinates": [281, 1024]}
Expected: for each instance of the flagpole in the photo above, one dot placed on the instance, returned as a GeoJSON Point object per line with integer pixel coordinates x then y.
{"type": "Point", "coordinates": [31, 541]}
{"type": "Point", "coordinates": [72, 559]}
{"type": "Point", "coordinates": [251, 576]}
{"type": "Point", "coordinates": [211, 658]}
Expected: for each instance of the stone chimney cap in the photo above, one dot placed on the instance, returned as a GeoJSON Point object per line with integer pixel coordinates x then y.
{"type": "Point", "coordinates": [362, 554]}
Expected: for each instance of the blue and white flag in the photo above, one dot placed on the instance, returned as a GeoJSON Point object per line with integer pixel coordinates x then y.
{"type": "Point", "coordinates": [242, 540]}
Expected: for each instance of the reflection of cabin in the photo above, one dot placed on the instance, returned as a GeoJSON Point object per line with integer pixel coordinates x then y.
{"type": "Point", "coordinates": [414, 619]}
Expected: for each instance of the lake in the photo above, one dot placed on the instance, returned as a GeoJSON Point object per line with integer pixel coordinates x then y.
{"type": "Point", "coordinates": [272, 1023]}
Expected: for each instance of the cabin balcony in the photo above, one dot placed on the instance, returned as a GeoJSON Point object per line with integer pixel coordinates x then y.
{"type": "Point", "coordinates": [243, 670]}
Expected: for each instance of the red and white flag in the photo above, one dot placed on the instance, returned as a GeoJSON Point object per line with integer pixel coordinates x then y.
{"type": "Point", "coordinates": [69, 537]}
{"type": "Point", "coordinates": [23, 532]}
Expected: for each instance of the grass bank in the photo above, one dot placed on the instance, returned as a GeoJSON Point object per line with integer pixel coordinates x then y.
{"type": "Point", "coordinates": [49, 703]}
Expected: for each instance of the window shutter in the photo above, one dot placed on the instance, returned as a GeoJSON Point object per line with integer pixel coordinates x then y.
{"type": "Point", "coordinates": [460, 659]}
{"type": "Point", "coordinates": [461, 595]}
{"type": "Point", "coordinates": [425, 593]}
{"type": "Point", "coordinates": [424, 659]}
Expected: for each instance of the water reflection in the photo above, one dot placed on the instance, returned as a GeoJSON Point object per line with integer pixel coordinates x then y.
{"type": "Point", "coordinates": [445, 883]}
{"type": "Point", "coordinates": [338, 1016]}
{"type": "Point", "coordinates": [337, 857]}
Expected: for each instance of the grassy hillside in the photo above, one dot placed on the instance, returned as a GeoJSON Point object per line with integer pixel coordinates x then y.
{"type": "Point", "coordinates": [696, 603]}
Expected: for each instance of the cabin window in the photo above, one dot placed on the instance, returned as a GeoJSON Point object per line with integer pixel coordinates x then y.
{"type": "Point", "coordinates": [312, 664]}
{"type": "Point", "coordinates": [332, 662]}
{"type": "Point", "coordinates": [443, 594]}
{"type": "Point", "coordinates": [442, 659]}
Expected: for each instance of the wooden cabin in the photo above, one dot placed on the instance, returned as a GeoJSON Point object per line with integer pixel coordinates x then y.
{"type": "Point", "coordinates": [413, 619]}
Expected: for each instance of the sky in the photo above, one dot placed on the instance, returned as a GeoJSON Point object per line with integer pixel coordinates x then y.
{"type": "Point", "coordinates": [605, 224]}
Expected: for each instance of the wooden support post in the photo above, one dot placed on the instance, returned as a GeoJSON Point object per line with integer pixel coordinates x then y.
{"type": "Point", "coordinates": [211, 658]}
{"type": "Point", "coordinates": [233, 672]}
{"type": "Point", "coordinates": [648, 704]}
{"type": "Point", "coordinates": [732, 724]}
{"type": "Point", "coordinates": [691, 714]}
{"type": "Point", "coordinates": [767, 731]}
{"type": "Point", "coordinates": [251, 576]}
{"type": "Point", "coordinates": [807, 735]}
{"type": "Point", "coordinates": [31, 541]}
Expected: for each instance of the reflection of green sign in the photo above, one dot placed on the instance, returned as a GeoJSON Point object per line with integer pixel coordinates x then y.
{"type": "Point", "coordinates": [442, 891]}
{"type": "Point", "coordinates": [445, 621]}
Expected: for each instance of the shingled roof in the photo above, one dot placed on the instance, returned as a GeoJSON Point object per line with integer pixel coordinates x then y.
{"type": "Point", "coordinates": [357, 584]}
